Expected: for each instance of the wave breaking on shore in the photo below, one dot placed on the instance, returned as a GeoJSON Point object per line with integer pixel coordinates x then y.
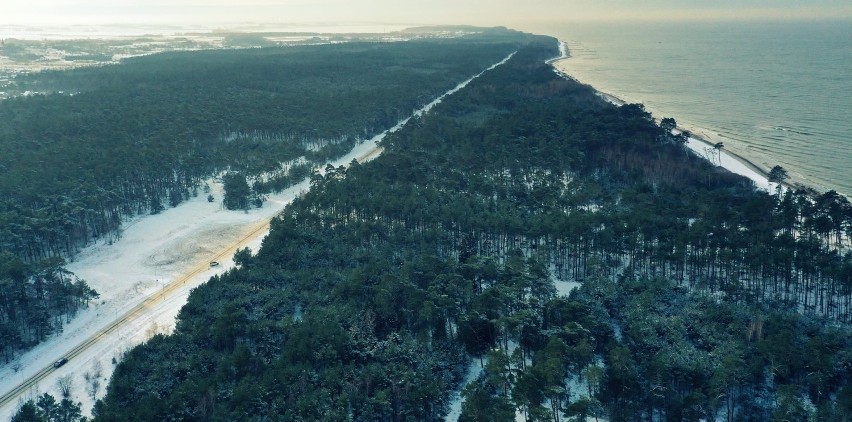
{"type": "Point", "coordinates": [700, 141]}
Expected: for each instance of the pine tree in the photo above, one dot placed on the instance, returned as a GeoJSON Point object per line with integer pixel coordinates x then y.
{"type": "Point", "coordinates": [237, 191]}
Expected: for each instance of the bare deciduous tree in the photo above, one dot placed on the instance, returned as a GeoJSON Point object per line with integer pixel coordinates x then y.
{"type": "Point", "coordinates": [93, 388]}
{"type": "Point", "coordinates": [64, 384]}
{"type": "Point", "coordinates": [97, 369]}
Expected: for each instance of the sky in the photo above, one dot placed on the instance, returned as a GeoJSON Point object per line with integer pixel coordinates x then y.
{"type": "Point", "coordinates": [476, 12]}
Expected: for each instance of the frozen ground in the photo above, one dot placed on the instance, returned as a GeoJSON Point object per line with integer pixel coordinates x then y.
{"type": "Point", "coordinates": [725, 159]}
{"type": "Point", "coordinates": [152, 252]}
{"type": "Point", "coordinates": [729, 162]}
{"type": "Point", "coordinates": [456, 400]}
{"type": "Point", "coordinates": [721, 157]}
{"type": "Point", "coordinates": [563, 287]}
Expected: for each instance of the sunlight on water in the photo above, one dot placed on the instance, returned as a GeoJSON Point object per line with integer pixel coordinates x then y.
{"type": "Point", "coordinates": [775, 93]}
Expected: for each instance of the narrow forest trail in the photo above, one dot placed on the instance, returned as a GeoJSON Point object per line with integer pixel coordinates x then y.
{"type": "Point", "coordinates": [118, 328]}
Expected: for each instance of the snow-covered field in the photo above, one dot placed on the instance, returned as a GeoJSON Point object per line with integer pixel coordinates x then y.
{"type": "Point", "coordinates": [152, 252]}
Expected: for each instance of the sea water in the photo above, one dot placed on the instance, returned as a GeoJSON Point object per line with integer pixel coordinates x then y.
{"type": "Point", "coordinates": [776, 93]}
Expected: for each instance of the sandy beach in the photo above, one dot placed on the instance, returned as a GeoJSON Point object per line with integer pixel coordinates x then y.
{"type": "Point", "coordinates": [700, 140]}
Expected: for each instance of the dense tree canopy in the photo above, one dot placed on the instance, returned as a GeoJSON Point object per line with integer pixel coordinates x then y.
{"type": "Point", "coordinates": [374, 290]}
{"type": "Point", "coordinates": [143, 135]}
{"type": "Point", "coordinates": [35, 301]}
{"type": "Point", "coordinates": [149, 129]}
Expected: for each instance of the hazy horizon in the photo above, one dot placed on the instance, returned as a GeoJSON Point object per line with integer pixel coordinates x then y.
{"type": "Point", "coordinates": [377, 12]}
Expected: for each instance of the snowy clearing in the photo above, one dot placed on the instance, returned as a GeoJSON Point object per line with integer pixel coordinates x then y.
{"type": "Point", "coordinates": [474, 369]}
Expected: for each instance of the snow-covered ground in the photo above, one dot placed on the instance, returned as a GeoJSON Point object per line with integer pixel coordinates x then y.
{"type": "Point", "coordinates": [723, 158]}
{"type": "Point", "coordinates": [474, 368]}
{"type": "Point", "coordinates": [720, 157]}
{"type": "Point", "coordinates": [152, 252]}
{"type": "Point", "coordinates": [729, 162]}
{"type": "Point", "coordinates": [563, 287]}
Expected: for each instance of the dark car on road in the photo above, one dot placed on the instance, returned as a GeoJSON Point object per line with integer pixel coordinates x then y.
{"type": "Point", "coordinates": [60, 362]}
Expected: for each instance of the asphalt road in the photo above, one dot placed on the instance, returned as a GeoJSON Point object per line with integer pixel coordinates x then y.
{"type": "Point", "coordinates": [134, 313]}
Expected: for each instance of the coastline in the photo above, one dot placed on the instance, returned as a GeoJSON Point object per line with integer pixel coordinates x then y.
{"type": "Point", "coordinates": [730, 160]}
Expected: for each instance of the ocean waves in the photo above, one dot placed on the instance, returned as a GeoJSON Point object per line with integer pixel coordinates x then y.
{"type": "Point", "coordinates": [777, 94]}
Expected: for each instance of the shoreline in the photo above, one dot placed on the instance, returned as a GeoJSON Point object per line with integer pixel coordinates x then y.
{"type": "Point", "coordinates": [761, 182]}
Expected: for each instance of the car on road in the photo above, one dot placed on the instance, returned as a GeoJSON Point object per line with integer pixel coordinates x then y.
{"type": "Point", "coordinates": [214, 263]}
{"type": "Point", "coordinates": [60, 362]}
